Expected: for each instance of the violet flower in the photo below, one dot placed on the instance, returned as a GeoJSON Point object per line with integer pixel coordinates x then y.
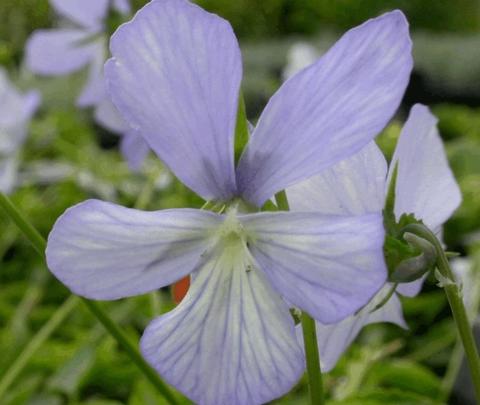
{"type": "Point", "coordinates": [61, 51]}
{"type": "Point", "coordinates": [16, 111]}
{"type": "Point", "coordinates": [175, 76]}
{"type": "Point", "coordinates": [358, 185]}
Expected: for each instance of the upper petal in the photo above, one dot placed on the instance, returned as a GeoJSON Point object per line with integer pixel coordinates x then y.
{"type": "Point", "coordinates": [333, 340]}
{"type": "Point", "coordinates": [58, 51]}
{"type": "Point", "coordinates": [104, 251]}
{"type": "Point", "coordinates": [329, 110]}
{"type": "Point", "coordinates": [354, 186]}
{"type": "Point", "coordinates": [425, 186]}
{"type": "Point", "coordinates": [87, 13]}
{"type": "Point", "coordinates": [327, 265]}
{"type": "Point", "coordinates": [231, 340]}
{"type": "Point", "coordinates": [175, 76]}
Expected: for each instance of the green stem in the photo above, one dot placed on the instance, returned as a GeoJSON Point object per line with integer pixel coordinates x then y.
{"type": "Point", "coordinates": [312, 355]}
{"type": "Point", "coordinates": [29, 231]}
{"type": "Point", "coordinates": [33, 345]}
{"type": "Point", "coordinates": [456, 358]}
{"type": "Point", "coordinates": [315, 382]}
{"type": "Point", "coordinates": [130, 349]}
{"type": "Point", "coordinates": [456, 304]}
{"type": "Point", "coordinates": [39, 245]}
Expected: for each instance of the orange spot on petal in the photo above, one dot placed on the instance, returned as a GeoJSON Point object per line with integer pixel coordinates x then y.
{"type": "Point", "coordinates": [180, 289]}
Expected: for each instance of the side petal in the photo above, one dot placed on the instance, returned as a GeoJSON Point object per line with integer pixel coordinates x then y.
{"type": "Point", "coordinates": [426, 186]}
{"type": "Point", "coordinates": [94, 90]}
{"type": "Point", "coordinates": [333, 340]}
{"type": "Point", "coordinates": [353, 186]}
{"type": "Point", "coordinates": [58, 51]}
{"type": "Point", "coordinates": [87, 13]}
{"type": "Point", "coordinates": [330, 110]}
{"type": "Point", "coordinates": [104, 251]}
{"type": "Point", "coordinates": [329, 266]}
{"type": "Point", "coordinates": [231, 340]}
{"type": "Point", "coordinates": [175, 76]}
{"type": "Point", "coordinates": [134, 149]}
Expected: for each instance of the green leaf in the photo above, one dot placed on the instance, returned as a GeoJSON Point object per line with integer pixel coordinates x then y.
{"type": "Point", "coordinates": [67, 379]}
{"type": "Point", "coordinates": [387, 397]}
{"type": "Point", "coordinates": [406, 375]}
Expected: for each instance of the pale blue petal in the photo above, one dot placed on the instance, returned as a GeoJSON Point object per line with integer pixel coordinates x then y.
{"type": "Point", "coordinates": [87, 13]}
{"type": "Point", "coordinates": [327, 265]}
{"type": "Point", "coordinates": [122, 6]}
{"type": "Point", "coordinates": [108, 117]}
{"type": "Point", "coordinates": [411, 289]}
{"type": "Point", "coordinates": [134, 149]}
{"type": "Point", "coordinates": [333, 340]}
{"type": "Point", "coordinates": [94, 90]}
{"type": "Point", "coordinates": [354, 186]}
{"type": "Point", "coordinates": [426, 186]}
{"type": "Point", "coordinates": [16, 110]}
{"type": "Point", "coordinates": [330, 110]}
{"type": "Point", "coordinates": [104, 251]}
{"type": "Point", "coordinates": [58, 51]}
{"type": "Point", "coordinates": [175, 76]}
{"type": "Point", "coordinates": [231, 340]}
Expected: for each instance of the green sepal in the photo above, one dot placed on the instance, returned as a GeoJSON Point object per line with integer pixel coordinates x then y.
{"type": "Point", "coordinates": [389, 221]}
{"type": "Point", "coordinates": [241, 128]}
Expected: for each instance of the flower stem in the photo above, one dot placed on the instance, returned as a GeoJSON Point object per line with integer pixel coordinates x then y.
{"type": "Point", "coordinates": [456, 304]}
{"type": "Point", "coordinates": [28, 230]}
{"type": "Point", "coordinates": [312, 355]}
{"type": "Point", "coordinates": [456, 357]}
{"type": "Point", "coordinates": [315, 382]}
{"type": "Point", "coordinates": [41, 336]}
{"type": "Point", "coordinates": [39, 245]}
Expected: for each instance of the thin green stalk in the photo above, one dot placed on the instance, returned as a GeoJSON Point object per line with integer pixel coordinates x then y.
{"type": "Point", "coordinates": [39, 245]}
{"type": "Point", "coordinates": [37, 341]}
{"type": "Point", "coordinates": [130, 349]}
{"type": "Point", "coordinates": [312, 356]}
{"type": "Point", "coordinates": [315, 383]}
{"type": "Point", "coordinates": [456, 357]}
{"type": "Point", "coordinates": [456, 304]}
{"type": "Point", "coordinates": [29, 231]}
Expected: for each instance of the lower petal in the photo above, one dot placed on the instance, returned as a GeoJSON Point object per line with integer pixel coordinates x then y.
{"type": "Point", "coordinates": [231, 340]}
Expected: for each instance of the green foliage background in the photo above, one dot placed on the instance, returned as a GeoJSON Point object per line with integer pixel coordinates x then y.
{"type": "Point", "coordinates": [79, 363]}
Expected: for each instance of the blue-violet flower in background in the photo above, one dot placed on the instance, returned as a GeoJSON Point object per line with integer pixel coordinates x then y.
{"type": "Point", "coordinates": [84, 42]}
{"type": "Point", "coordinates": [425, 187]}
{"type": "Point", "coordinates": [175, 77]}
{"type": "Point", "coordinates": [16, 111]}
